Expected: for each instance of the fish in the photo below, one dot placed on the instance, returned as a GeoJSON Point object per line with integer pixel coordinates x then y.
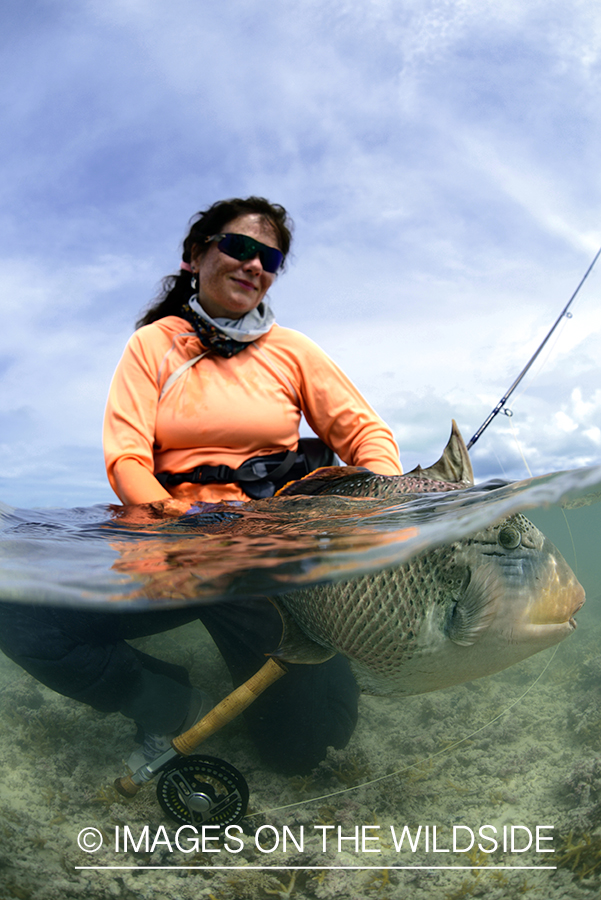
{"type": "Point", "coordinates": [453, 471]}
{"type": "Point", "coordinates": [458, 612]}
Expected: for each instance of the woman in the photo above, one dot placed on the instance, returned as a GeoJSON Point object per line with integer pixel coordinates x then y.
{"type": "Point", "coordinates": [211, 380]}
{"type": "Point", "coordinates": [207, 383]}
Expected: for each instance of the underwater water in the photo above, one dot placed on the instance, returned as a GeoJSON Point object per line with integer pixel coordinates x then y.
{"type": "Point", "coordinates": [456, 793]}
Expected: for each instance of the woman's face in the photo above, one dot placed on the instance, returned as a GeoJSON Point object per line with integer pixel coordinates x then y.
{"type": "Point", "coordinates": [230, 287]}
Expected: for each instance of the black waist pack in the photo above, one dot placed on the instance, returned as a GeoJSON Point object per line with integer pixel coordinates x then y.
{"type": "Point", "coordinates": [260, 476]}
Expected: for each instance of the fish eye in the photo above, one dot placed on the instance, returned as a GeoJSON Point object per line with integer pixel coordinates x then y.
{"type": "Point", "coordinates": [509, 537]}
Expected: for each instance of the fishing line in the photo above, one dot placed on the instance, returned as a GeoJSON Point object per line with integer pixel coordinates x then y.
{"type": "Point", "coordinates": [414, 765]}
{"type": "Point", "coordinates": [509, 415]}
{"type": "Point", "coordinates": [563, 512]}
{"type": "Point", "coordinates": [572, 540]}
{"type": "Point", "coordinates": [519, 446]}
{"type": "Point", "coordinates": [501, 466]}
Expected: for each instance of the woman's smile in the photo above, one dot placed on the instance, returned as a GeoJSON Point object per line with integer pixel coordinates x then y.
{"type": "Point", "coordinates": [227, 287]}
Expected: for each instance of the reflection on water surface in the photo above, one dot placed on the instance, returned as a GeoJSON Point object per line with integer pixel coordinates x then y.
{"type": "Point", "coordinates": [520, 748]}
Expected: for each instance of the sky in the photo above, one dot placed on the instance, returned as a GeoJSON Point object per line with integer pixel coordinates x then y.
{"type": "Point", "coordinates": [440, 159]}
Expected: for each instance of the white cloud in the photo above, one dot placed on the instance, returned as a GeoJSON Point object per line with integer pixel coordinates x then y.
{"type": "Point", "coordinates": [440, 159]}
{"type": "Point", "coordinates": [564, 422]}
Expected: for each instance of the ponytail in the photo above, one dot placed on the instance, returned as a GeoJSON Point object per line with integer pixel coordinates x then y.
{"type": "Point", "coordinates": [175, 291]}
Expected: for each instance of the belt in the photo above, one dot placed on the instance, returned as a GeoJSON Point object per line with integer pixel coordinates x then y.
{"type": "Point", "coordinates": [259, 476]}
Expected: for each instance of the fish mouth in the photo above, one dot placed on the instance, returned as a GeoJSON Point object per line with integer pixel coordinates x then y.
{"type": "Point", "coordinates": [572, 621]}
{"type": "Point", "coordinates": [557, 607]}
{"type": "Point", "coordinates": [559, 596]}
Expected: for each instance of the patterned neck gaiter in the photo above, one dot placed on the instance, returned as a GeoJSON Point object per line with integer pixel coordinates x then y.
{"type": "Point", "coordinates": [228, 336]}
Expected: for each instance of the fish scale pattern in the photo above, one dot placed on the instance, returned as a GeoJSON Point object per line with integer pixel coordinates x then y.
{"type": "Point", "coordinates": [456, 613]}
{"type": "Point", "coordinates": [357, 483]}
{"type": "Point", "coordinates": [375, 619]}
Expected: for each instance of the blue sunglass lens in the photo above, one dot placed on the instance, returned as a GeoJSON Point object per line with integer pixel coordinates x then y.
{"type": "Point", "coordinates": [242, 247]}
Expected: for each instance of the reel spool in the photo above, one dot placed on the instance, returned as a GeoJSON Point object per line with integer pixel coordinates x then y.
{"type": "Point", "coordinates": [203, 790]}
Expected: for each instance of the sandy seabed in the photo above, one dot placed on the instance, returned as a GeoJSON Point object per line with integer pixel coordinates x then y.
{"type": "Point", "coordinates": [517, 749]}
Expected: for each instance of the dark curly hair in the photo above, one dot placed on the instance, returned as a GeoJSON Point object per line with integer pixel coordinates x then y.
{"type": "Point", "coordinates": [176, 289]}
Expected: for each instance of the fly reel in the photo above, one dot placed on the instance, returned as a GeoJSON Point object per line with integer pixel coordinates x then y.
{"type": "Point", "coordinates": [203, 790]}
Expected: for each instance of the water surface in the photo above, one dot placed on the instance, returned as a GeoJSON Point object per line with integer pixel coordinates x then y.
{"type": "Point", "coordinates": [520, 748]}
{"type": "Point", "coordinates": [106, 555]}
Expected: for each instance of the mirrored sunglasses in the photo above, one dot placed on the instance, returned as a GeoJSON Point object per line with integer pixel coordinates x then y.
{"type": "Point", "coordinates": [242, 247]}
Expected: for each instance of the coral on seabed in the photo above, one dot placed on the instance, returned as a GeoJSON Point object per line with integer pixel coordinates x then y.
{"type": "Point", "coordinates": [581, 854]}
{"type": "Point", "coordinates": [584, 783]}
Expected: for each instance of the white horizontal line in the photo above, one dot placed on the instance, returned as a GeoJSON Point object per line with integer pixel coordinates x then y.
{"type": "Point", "coordinates": [316, 868]}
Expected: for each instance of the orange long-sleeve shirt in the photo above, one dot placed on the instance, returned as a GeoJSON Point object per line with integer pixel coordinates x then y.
{"type": "Point", "coordinates": [222, 411]}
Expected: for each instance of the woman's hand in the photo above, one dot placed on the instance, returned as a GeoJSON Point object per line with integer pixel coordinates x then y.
{"type": "Point", "coordinates": [149, 513]}
{"type": "Point", "coordinates": [171, 508]}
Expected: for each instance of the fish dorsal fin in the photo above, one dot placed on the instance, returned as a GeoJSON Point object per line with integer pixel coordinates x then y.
{"type": "Point", "coordinates": [474, 611]}
{"type": "Point", "coordinates": [454, 465]}
{"type": "Point", "coordinates": [324, 480]}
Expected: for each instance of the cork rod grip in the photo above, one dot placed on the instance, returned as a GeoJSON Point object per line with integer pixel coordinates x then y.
{"type": "Point", "coordinates": [230, 707]}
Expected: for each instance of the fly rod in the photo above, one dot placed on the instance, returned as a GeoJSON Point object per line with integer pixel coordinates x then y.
{"type": "Point", "coordinates": [507, 395]}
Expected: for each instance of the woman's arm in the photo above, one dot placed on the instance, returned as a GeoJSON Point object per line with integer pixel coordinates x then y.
{"type": "Point", "coordinates": [332, 405]}
{"type": "Point", "coordinates": [133, 483]}
{"type": "Point", "coordinates": [129, 426]}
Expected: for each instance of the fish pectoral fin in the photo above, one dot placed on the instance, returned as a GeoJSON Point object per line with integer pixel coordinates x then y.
{"type": "Point", "coordinates": [454, 465]}
{"type": "Point", "coordinates": [295, 646]}
{"type": "Point", "coordinates": [474, 611]}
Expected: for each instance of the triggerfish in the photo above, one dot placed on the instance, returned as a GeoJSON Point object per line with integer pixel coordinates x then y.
{"type": "Point", "coordinates": [458, 612]}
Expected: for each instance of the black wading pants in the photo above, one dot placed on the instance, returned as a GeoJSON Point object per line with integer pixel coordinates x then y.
{"type": "Point", "coordinates": [84, 655]}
